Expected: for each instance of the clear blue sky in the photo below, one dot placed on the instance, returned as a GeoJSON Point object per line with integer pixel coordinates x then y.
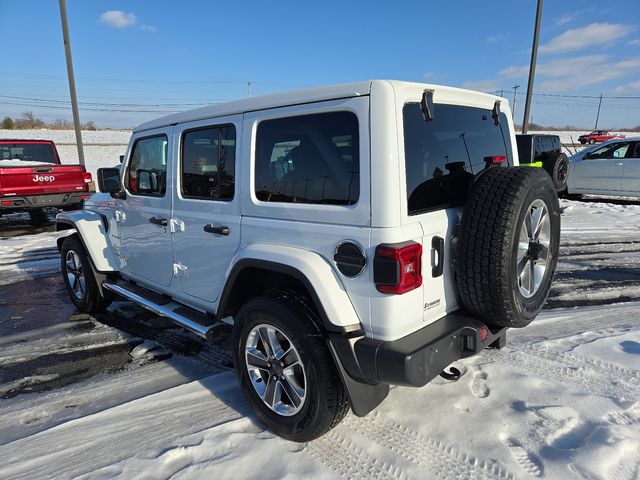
{"type": "Point", "coordinates": [145, 58]}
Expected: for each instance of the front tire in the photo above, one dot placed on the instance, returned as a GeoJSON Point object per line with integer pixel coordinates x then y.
{"type": "Point", "coordinates": [78, 276]}
{"type": "Point", "coordinates": [592, 141]}
{"type": "Point", "coordinates": [285, 368]}
{"type": "Point", "coordinates": [508, 245]}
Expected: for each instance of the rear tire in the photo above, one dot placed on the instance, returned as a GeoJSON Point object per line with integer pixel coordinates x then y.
{"type": "Point", "coordinates": [78, 276]}
{"type": "Point", "coordinates": [558, 168]}
{"type": "Point", "coordinates": [286, 322]}
{"type": "Point", "coordinates": [508, 245]}
{"type": "Point", "coordinates": [592, 141]}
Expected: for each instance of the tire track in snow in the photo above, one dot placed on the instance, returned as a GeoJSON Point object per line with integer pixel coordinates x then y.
{"type": "Point", "coordinates": [629, 375]}
{"type": "Point", "coordinates": [587, 379]}
{"type": "Point", "coordinates": [347, 459]}
{"type": "Point", "coordinates": [436, 458]}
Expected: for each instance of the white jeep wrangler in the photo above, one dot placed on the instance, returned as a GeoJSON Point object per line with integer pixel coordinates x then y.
{"type": "Point", "coordinates": [357, 236]}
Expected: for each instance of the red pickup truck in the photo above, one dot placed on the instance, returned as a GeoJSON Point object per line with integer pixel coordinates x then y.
{"type": "Point", "coordinates": [32, 178]}
{"type": "Point", "coordinates": [597, 136]}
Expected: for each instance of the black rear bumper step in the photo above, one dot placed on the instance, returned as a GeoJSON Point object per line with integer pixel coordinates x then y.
{"type": "Point", "coordinates": [415, 359]}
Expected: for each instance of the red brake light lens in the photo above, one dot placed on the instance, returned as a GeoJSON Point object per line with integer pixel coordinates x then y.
{"type": "Point", "coordinates": [6, 203]}
{"type": "Point", "coordinates": [498, 159]}
{"type": "Point", "coordinates": [87, 177]}
{"type": "Point", "coordinates": [398, 268]}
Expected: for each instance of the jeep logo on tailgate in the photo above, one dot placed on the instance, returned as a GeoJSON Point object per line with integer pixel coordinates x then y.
{"type": "Point", "coordinates": [44, 178]}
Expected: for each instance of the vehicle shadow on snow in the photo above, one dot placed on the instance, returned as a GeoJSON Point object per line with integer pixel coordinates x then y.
{"type": "Point", "coordinates": [16, 224]}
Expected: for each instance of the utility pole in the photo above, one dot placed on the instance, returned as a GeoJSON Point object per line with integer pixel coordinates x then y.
{"type": "Point", "coordinates": [532, 67]}
{"type": "Point", "coordinates": [249, 88]}
{"type": "Point", "coordinates": [515, 90]}
{"type": "Point", "coordinates": [72, 82]}
{"type": "Point", "coordinates": [598, 114]}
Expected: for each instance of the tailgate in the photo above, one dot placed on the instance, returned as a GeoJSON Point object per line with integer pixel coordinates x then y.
{"type": "Point", "coordinates": [42, 180]}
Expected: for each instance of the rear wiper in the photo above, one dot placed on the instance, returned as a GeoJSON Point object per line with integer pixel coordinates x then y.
{"type": "Point", "coordinates": [426, 105]}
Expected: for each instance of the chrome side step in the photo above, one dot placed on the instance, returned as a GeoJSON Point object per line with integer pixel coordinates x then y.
{"type": "Point", "coordinates": [185, 317]}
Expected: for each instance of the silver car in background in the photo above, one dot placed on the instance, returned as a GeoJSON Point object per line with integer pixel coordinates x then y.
{"type": "Point", "coordinates": [611, 168]}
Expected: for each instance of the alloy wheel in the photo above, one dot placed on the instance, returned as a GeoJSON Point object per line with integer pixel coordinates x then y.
{"type": "Point", "coordinates": [533, 248]}
{"type": "Point", "coordinates": [275, 369]}
{"type": "Point", "coordinates": [75, 274]}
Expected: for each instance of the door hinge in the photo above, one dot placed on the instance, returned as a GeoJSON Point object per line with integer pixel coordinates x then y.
{"type": "Point", "coordinates": [179, 270]}
{"type": "Point", "coordinates": [176, 225]}
{"type": "Point", "coordinates": [120, 216]}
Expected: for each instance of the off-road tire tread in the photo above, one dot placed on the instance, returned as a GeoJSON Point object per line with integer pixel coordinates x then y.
{"type": "Point", "coordinates": [483, 259]}
{"type": "Point", "coordinates": [551, 166]}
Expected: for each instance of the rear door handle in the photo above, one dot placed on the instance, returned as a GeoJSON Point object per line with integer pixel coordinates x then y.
{"type": "Point", "coordinates": [219, 230]}
{"type": "Point", "coordinates": [437, 243]}
{"type": "Point", "coordinates": [163, 222]}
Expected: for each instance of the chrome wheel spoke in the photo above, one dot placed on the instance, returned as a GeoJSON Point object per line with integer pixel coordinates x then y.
{"type": "Point", "coordinates": [294, 394]}
{"type": "Point", "coordinates": [266, 342]}
{"type": "Point", "coordinates": [270, 392]}
{"type": "Point", "coordinates": [290, 358]}
{"type": "Point", "coordinates": [538, 219]}
{"type": "Point", "coordinates": [522, 263]}
{"type": "Point", "coordinates": [256, 358]}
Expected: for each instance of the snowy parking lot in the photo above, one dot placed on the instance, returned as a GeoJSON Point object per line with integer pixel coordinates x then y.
{"type": "Point", "coordinates": [127, 395]}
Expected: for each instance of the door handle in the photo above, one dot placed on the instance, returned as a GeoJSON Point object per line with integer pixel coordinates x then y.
{"type": "Point", "coordinates": [437, 243]}
{"type": "Point", "coordinates": [221, 230]}
{"type": "Point", "coordinates": [163, 222]}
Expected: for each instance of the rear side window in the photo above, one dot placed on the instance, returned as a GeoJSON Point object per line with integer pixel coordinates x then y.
{"type": "Point", "coordinates": [308, 159]}
{"type": "Point", "coordinates": [27, 152]}
{"type": "Point", "coordinates": [443, 155]}
{"type": "Point", "coordinates": [147, 170]}
{"type": "Point", "coordinates": [208, 163]}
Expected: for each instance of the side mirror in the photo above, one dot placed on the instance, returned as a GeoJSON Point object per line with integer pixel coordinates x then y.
{"type": "Point", "coordinates": [109, 180]}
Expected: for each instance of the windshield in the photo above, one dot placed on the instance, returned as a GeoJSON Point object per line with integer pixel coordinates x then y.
{"type": "Point", "coordinates": [443, 155]}
{"type": "Point", "coordinates": [15, 153]}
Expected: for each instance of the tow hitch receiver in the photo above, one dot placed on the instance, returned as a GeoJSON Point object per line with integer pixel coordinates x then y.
{"type": "Point", "coordinates": [453, 374]}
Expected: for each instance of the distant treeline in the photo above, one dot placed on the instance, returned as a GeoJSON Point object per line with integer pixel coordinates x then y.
{"type": "Point", "coordinates": [30, 121]}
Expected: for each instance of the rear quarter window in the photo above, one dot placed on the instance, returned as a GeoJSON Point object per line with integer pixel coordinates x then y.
{"type": "Point", "coordinates": [308, 159]}
{"type": "Point", "coordinates": [442, 156]}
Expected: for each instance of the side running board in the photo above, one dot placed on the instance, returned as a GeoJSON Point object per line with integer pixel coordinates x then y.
{"type": "Point", "coordinates": [188, 318]}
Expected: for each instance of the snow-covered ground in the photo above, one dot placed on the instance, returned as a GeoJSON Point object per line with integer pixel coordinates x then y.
{"type": "Point", "coordinates": [562, 400]}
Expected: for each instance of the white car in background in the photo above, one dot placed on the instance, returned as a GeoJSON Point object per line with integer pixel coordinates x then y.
{"type": "Point", "coordinates": [611, 168]}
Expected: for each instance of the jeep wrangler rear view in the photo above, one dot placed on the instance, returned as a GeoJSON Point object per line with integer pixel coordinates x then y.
{"type": "Point", "coordinates": [355, 236]}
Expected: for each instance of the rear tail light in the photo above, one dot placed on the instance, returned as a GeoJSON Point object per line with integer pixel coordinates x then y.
{"type": "Point", "coordinates": [84, 197]}
{"type": "Point", "coordinates": [87, 177]}
{"type": "Point", "coordinates": [498, 159]}
{"type": "Point", "coordinates": [397, 268]}
{"type": "Point", "coordinates": [6, 203]}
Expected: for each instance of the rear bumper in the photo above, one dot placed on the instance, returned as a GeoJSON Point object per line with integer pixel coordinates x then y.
{"type": "Point", "coordinates": [31, 202]}
{"type": "Point", "coordinates": [413, 360]}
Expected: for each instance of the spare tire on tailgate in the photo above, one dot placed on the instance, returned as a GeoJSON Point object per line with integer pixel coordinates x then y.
{"type": "Point", "coordinates": [507, 247]}
{"type": "Point", "coordinates": [558, 169]}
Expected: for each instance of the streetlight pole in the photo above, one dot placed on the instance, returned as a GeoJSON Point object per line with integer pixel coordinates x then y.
{"type": "Point", "coordinates": [72, 83]}
{"type": "Point", "coordinates": [532, 67]}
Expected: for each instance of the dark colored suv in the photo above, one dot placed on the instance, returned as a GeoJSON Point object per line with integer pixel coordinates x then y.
{"type": "Point", "coordinates": [544, 151]}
